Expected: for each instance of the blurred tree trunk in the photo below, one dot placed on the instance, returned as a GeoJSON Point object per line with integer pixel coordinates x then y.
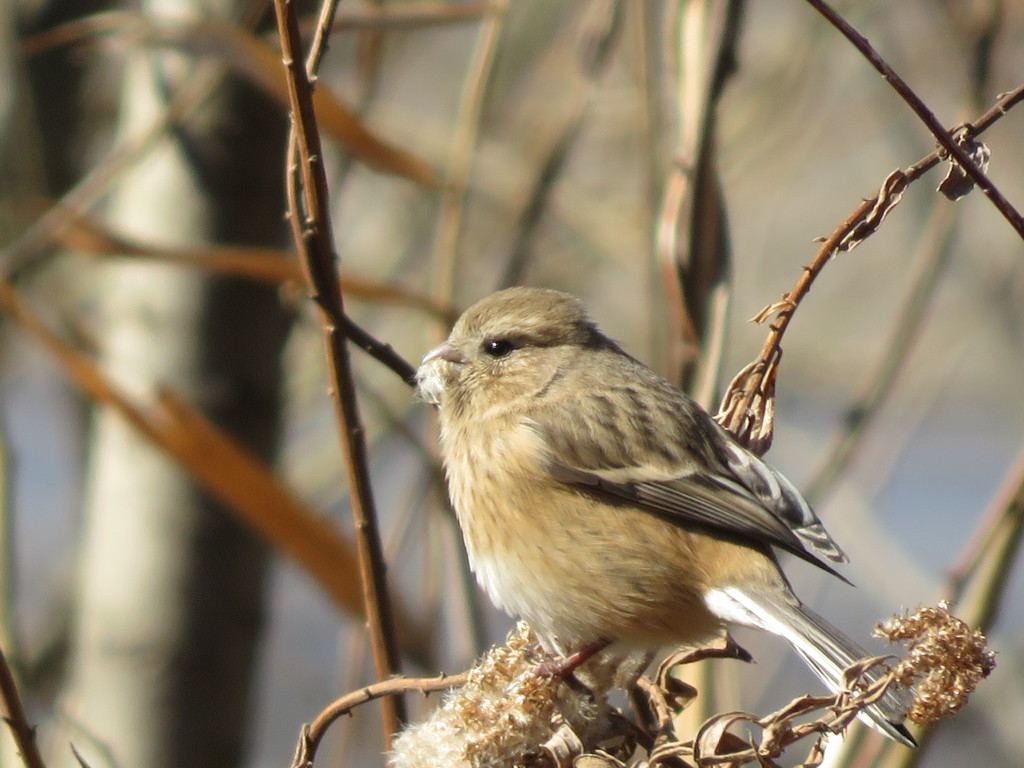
{"type": "Point", "coordinates": [170, 594]}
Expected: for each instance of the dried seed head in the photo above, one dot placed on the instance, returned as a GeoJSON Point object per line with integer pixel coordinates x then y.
{"type": "Point", "coordinates": [503, 714]}
{"type": "Point", "coordinates": [945, 661]}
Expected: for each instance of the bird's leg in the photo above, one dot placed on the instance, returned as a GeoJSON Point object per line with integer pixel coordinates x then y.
{"type": "Point", "coordinates": [564, 667]}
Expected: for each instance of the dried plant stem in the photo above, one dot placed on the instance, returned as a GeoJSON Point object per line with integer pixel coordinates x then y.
{"type": "Point", "coordinates": [14, 716]}
{"type": "Point", "coordinates": [313, 733]}
{"type": "Point", "coordinates": [314, 241]}
{"type": "Point", "coordinates": [321, 35]}
{"type": "Point", "coordinates": [752, 385]}
{"type": "Point", "coordinates": [944, 137]}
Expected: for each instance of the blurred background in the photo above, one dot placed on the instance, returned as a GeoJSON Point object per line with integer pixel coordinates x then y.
{"type": "Point", "coordinates": [671, 162]}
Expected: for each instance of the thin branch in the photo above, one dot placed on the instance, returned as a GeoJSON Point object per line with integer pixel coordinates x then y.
{"type": "Point", "coordinates": [321, 35]}
{"type": "Point", "coordinates": [14, 716]}
{"type": "Point", "coordinates": [746, 407]}
{"type": "Point", "coordinates": [380, 351]}
{"type": "Point", "coordinates": [314, 241]}
{"type": "Point", "coordinates": [945, 138]}
{"type": "Point", "coordinates": [313, 733]}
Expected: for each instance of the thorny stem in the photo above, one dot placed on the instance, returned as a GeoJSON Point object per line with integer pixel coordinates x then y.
{"type": "Point", "coordinates": [315, 244]}
{"type": "Point", "coordinates": [944, 137]}
{"type": "Point", "coordinates": [736, 412]}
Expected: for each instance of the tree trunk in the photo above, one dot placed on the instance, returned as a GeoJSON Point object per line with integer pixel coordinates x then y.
{"type": "Point", "coordinates": [170, 598]}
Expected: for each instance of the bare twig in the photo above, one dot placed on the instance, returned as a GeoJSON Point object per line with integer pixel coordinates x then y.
{"type": "Point", "coordinates": [14, 716]}
{"type": "Point", "coordinates": [980, 28]}
{"type": "Point", "coordinates": [321, 35]}
{"type": "Point", "coordinates": [946, 139]}
{"type": "Point", "coordinates": [314, 241]}
{"type": "Point", "coordinates": [313, 733]}
{"type": "Point", "coordinates": [745, 409]}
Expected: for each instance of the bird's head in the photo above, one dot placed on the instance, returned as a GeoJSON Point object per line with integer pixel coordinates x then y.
{"type": "Point", "coordinates": [506, 347]}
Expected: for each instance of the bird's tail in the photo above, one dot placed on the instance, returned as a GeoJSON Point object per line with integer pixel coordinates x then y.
{"type": "Point", "coordinates": [825, 649]}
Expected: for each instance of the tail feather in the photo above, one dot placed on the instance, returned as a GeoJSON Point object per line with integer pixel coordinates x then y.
{"type": "Point", "coordinates": [825, 649]}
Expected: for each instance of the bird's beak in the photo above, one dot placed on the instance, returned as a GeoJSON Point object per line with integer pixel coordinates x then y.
{"type": "Point", "coordinates": [434, 376]}
{"type": "Point", "coordinates": [446, 352]}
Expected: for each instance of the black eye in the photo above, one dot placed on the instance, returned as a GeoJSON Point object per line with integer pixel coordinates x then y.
{"type": "Point", "coordinates": [498, 347]}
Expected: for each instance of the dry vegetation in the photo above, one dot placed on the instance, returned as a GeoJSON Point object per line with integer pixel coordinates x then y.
{"type": "Point", "coordinates": [595, 146]}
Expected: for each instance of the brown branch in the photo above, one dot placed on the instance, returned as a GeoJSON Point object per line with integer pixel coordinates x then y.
{"type": "Point", "coordinates": [314, 242]}
{"type": "Point", "coordinates": [313, 733]}
{"type": "Point", "coordinates": [321, 35]}
{"type": "Point", "coordinates": [14, 715]}
{"type": "Point", "coordinates": [945, 138]}
{"type": "Point", "coordinates": [745, 409]}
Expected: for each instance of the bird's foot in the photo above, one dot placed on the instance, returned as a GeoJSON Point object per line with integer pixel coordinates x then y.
{"type": "Point", "coordinates": [564, 666]}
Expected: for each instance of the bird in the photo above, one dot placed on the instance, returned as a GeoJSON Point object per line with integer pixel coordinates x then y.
{"type": "Point", "coordinates": [602, 505]}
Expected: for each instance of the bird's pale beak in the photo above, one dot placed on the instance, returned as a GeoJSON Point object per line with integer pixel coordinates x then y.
{"type": "Point", "coordinates": [434, 375]}
{"type": "Point", "coordinates": [446, 352]}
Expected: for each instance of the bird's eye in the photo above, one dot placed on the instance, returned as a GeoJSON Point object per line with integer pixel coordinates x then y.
{"type": "Point", "coordinates": [498, 347]}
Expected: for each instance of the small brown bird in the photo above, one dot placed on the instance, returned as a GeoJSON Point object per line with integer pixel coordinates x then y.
{"type": "Point", "coordinates": [601, 504]}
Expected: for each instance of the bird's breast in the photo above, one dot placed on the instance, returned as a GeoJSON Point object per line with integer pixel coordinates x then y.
{"type": "Point", "coordinates": [576, 568]}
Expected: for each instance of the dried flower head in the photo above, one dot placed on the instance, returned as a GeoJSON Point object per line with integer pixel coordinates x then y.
{"type": "Point", "coordinates": [503, 714]}
{"type": "Point", "coordinates": [946, 659]}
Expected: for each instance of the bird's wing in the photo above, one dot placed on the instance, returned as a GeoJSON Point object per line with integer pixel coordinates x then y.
{"type": "Point", "coordinates": [693, 475]}
{"type": "Point", "coordinates": [778, 495]}
{"type": "Point", "coordinates": [696, 502]}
